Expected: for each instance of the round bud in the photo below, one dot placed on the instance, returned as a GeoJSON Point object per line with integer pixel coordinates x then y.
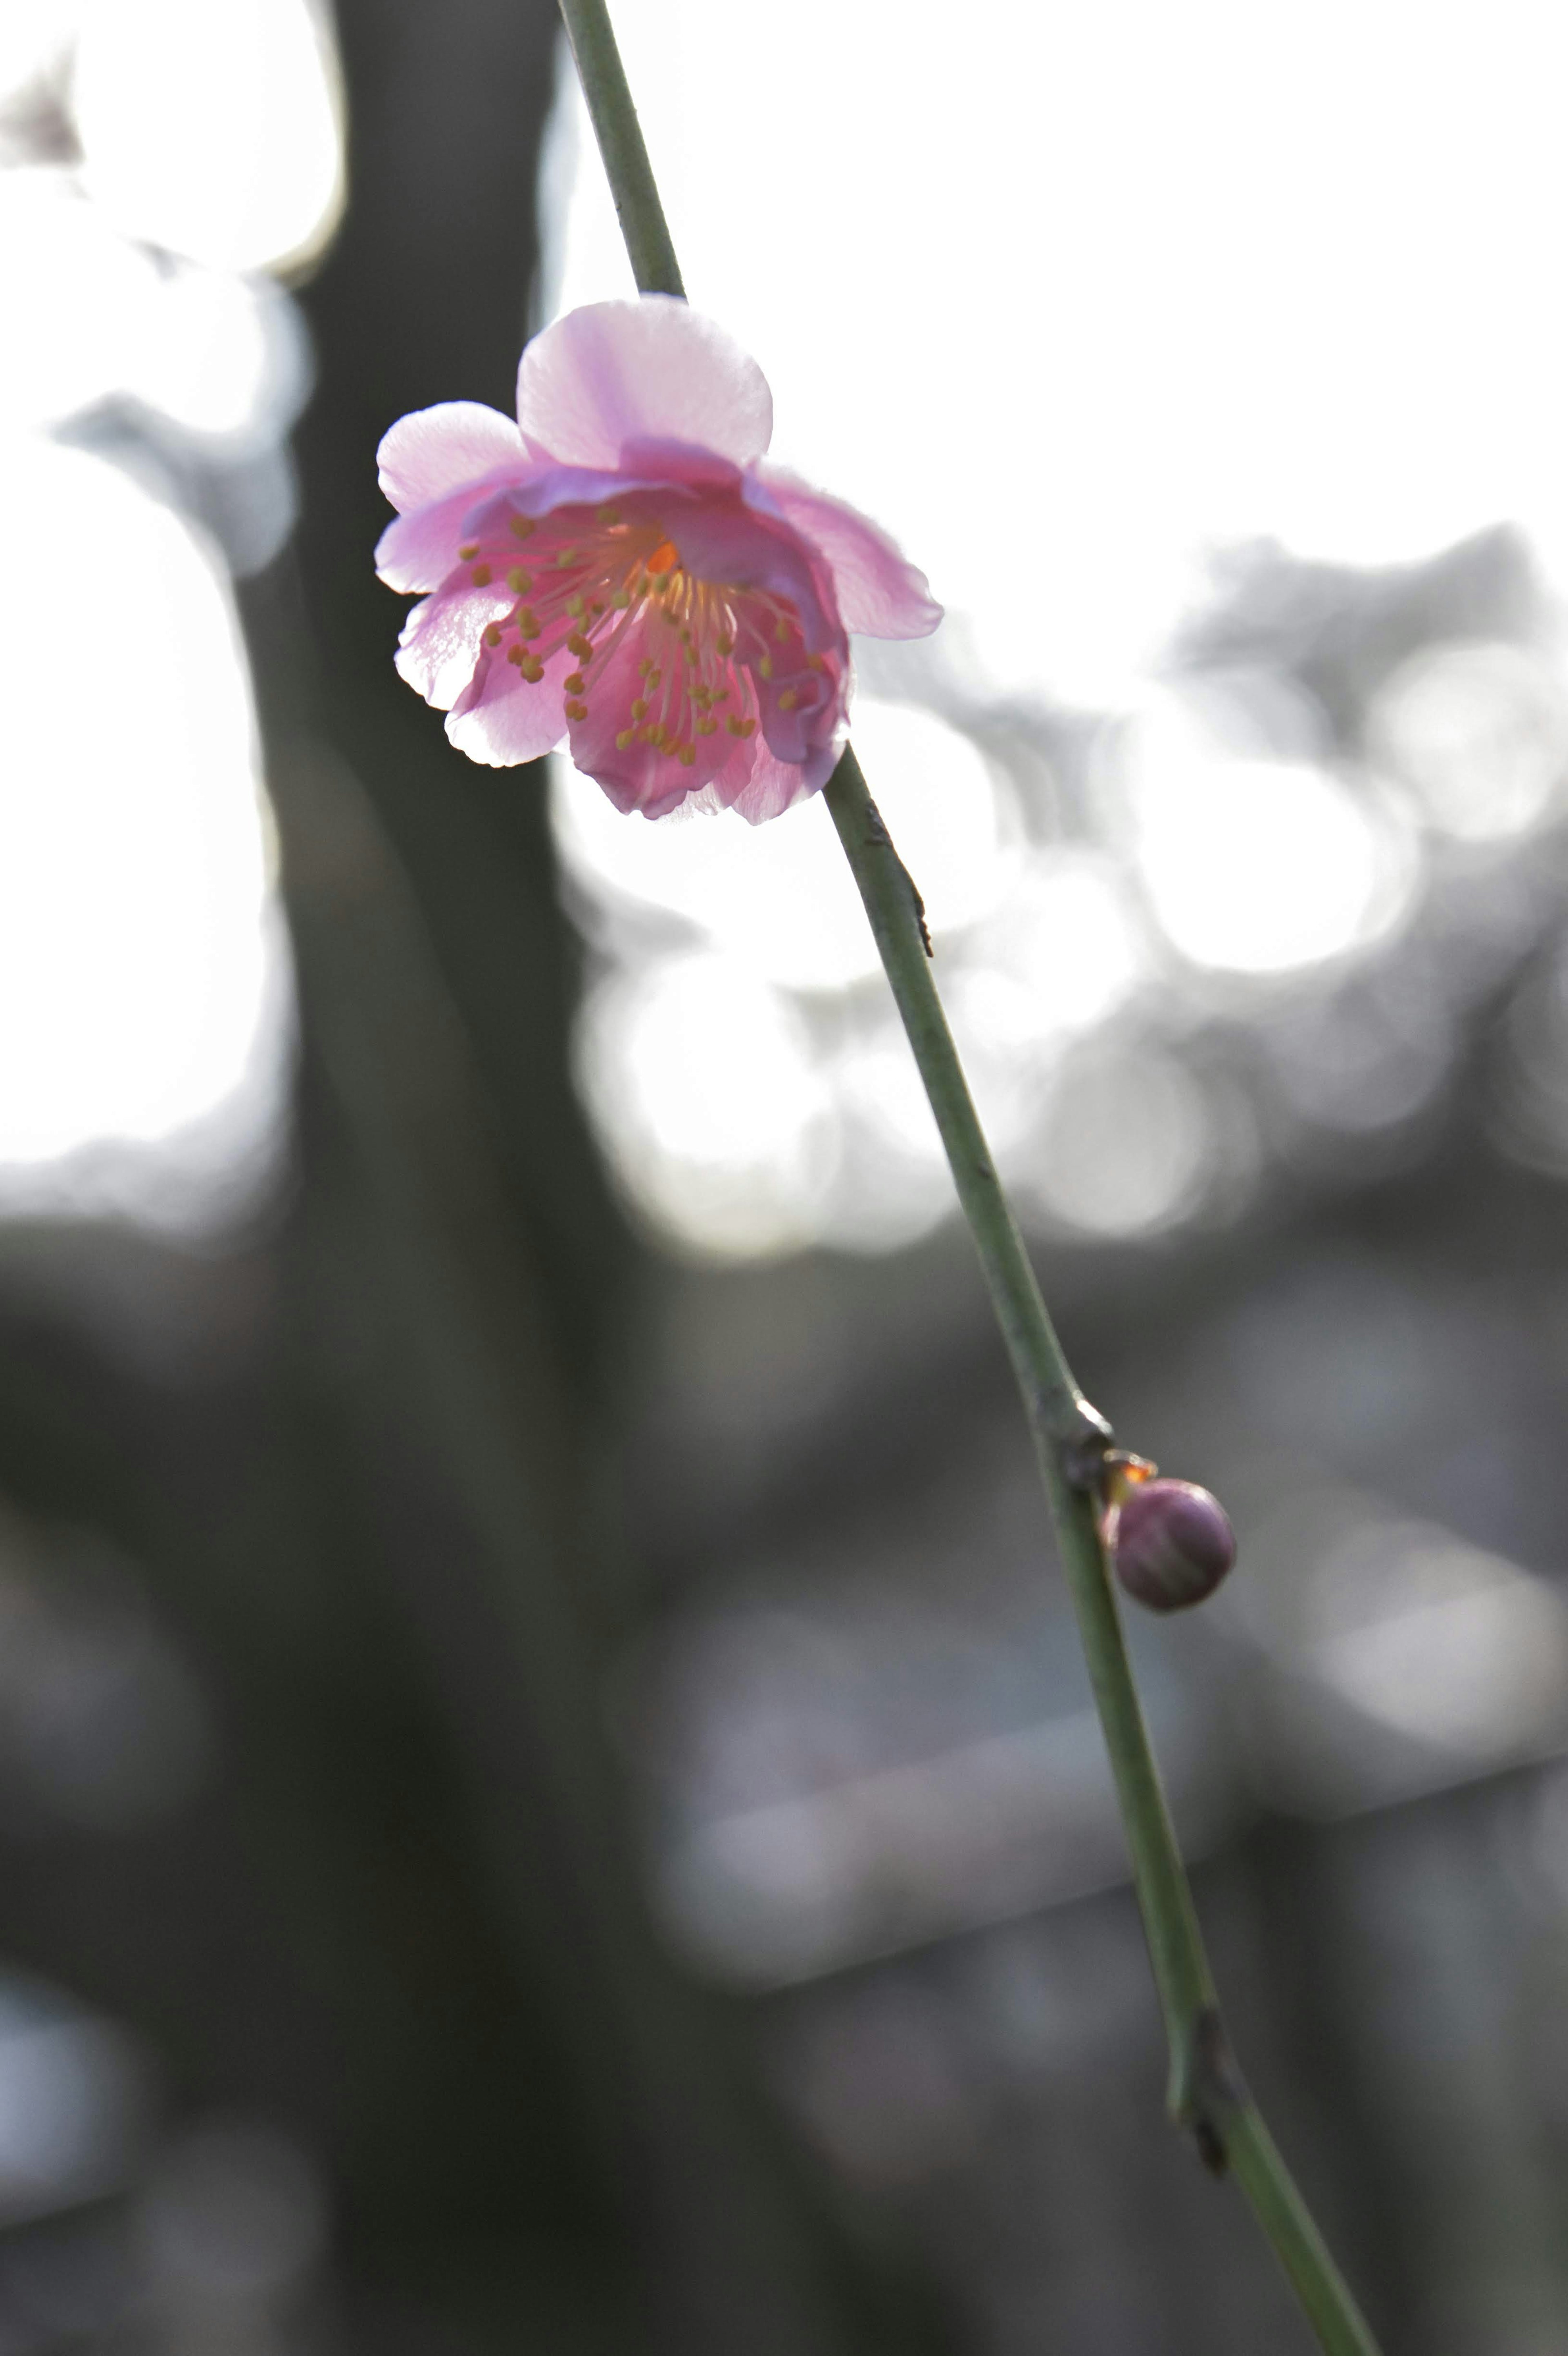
{"type": "Point", "coordinates": [1173, 1544]}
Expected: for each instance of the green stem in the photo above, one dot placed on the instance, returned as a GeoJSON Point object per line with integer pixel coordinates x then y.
{"type": "Point", "coordinates": [619, 136]}
{"type": "Point", "coordinates": [1071, 1440]}
{"type": "Point", "coordinates": [1206, 2093]}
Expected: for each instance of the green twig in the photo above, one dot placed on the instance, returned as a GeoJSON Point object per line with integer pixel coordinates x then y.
{"type": "Point", "coordinates": [619, 136]}
{"type": "Point", "coordinates": [1071, 1440]}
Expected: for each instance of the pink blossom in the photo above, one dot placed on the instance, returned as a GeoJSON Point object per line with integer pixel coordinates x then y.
{"type": "Point", "coordinates": [622, 567]}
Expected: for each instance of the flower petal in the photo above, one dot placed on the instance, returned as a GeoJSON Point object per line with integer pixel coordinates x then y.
{"type": "Point", "coordinates": [441, 639]}
{"type": "Point", "coordinates": [500, 720]}
{"type": "Point", "coordinates": [880, 593]}
{"type": "Point", "coordinates": [617, 372]}
{"type": "Point", "coordinates": [417, 550]}
{"type": "Point", "coordinates": [775, 785]}
{"type": "Point", "coordinates": [435, 451]}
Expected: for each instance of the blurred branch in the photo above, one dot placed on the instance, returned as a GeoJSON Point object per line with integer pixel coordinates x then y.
{"type": "Point", "coordinates": [1070, 1440]}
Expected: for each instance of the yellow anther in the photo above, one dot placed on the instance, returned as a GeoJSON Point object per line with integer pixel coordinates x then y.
{"type": "Point", "coordinates": [651, 734]}
{"type": "Point", "coordinates": [609, 515]}
{"type": "Point", "coordinates": [577, 606]}
{"type": "Point", "coordinates": [766, 665]}
{"type": "Point", "coordinates": [736, 724]}
{"type": "Point", "coordinates": [645, 665]}
{"type": "Point", "coordinates": [575, 710]}
{"type": "Point", "coordinates": [493, 634]}
{"type": "Point", "coordinates": [654, 675]}
{"type": "Point", "coordinates": [481, 576]}
{"type": "Point", "coordinates": [624, 739]}
{"type": "Point", "coordinates": [816, 662]}
{"type": "Point", "coordinates": [639, 710]}
{"type": "Point", "coordinates": [523, 526]}
{"type": "Point", "coordinates": [581, 647]}
{"type": "Point", "coordinates": [780, 632]}
{"type": "Point", "coordinates": [706, 727]}
{"type": "Point", "coordinates": [533, 670]}
{"type": "Point", "coordinates": [574, 683]}
{"type": "Point", "coordinates": [516, 655]}
{"type": "Point", "coordinates": [469, 547]}
{"type": "Point", "coordinates": [596, 605]}
{"type": "Point", "coordinates": [689, 754]}
{"type": "Point", "coordinates": [527, 622]}
{"type": "Point", "coordinates": [518, 582]}
{"type": "Point", "coordinates": [569, 556]}
{"type": "Point", "coordinates": [788, 700]}
{"type": "Point", "coordinates": [622, 601]}
{"type": "Point", "coordinates": [725, 644]}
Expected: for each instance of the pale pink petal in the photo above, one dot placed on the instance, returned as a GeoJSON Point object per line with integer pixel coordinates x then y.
{"type": "Point", "coordinates": [435, 451]}
{"type": "Point", "coordinates": [419, 550]}
{"type": "Point", "coordinates": [724, 539]}
{"type": "Point", "coordinates": [441, 639]}
{"type": "Point", "coordinates": [775, 785]}
{"type": "Point", "coordinates": [612, 374]}
{"type": "Point", "coordinates": [635, 775]}
{"type": "Point", "coordinates": [880, 593]}
{"type": "Point", "coordinates": [500, 718]}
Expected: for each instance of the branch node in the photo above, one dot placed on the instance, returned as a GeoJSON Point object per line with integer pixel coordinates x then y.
{"type": "Point", "coordinates": [1211, 2089]}
{"type": "Point", "coordinates": [876, 826]}
{"type": "Point", "coordinates": [1085, 1446]}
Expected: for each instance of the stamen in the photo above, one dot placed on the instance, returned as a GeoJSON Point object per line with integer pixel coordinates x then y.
{"type": "Point", "coordinates": [470, 548]}
{"type": "Point", "coordinates": [664, 559]}
{"type": "Point", "coordinates": [766, 665]}
{"type": "Point", "coordinates": [523, 526]}
{"type": "Point", "coordinates": [574, 683]}
{"type": "Point", "coordinates": [518, 582]}
{"type": "Point", "coordinates": [575, 710]}
{"type": "Point", "coordinates": [493, 634]}
{"type": "Point", "coordinates": [788, 700]}
{"type": "Point", "coordinates": [481, 576]}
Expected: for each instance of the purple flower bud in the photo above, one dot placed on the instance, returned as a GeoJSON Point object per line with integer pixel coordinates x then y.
{"type": "Point", "coordinates": [1173, 1544]}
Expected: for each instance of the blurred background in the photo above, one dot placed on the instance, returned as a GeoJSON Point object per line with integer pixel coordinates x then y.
{"type": "Point", "coordinates": [548, 1798]}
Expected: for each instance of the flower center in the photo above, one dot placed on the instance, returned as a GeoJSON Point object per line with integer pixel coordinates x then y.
{"type": "Point", "coordinates": [678, 659]}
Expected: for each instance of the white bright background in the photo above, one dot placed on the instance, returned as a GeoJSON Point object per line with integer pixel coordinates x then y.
{"type": "Point", "coordinates": [1076, 300]}
{"type": "Point", "coordinates": [1071, 300]}
{"type": "Point", "coordinates": [142, 978]}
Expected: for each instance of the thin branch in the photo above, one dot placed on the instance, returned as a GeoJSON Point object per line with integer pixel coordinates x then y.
{"type": "Point", "coordinates": [1071, 1441]}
